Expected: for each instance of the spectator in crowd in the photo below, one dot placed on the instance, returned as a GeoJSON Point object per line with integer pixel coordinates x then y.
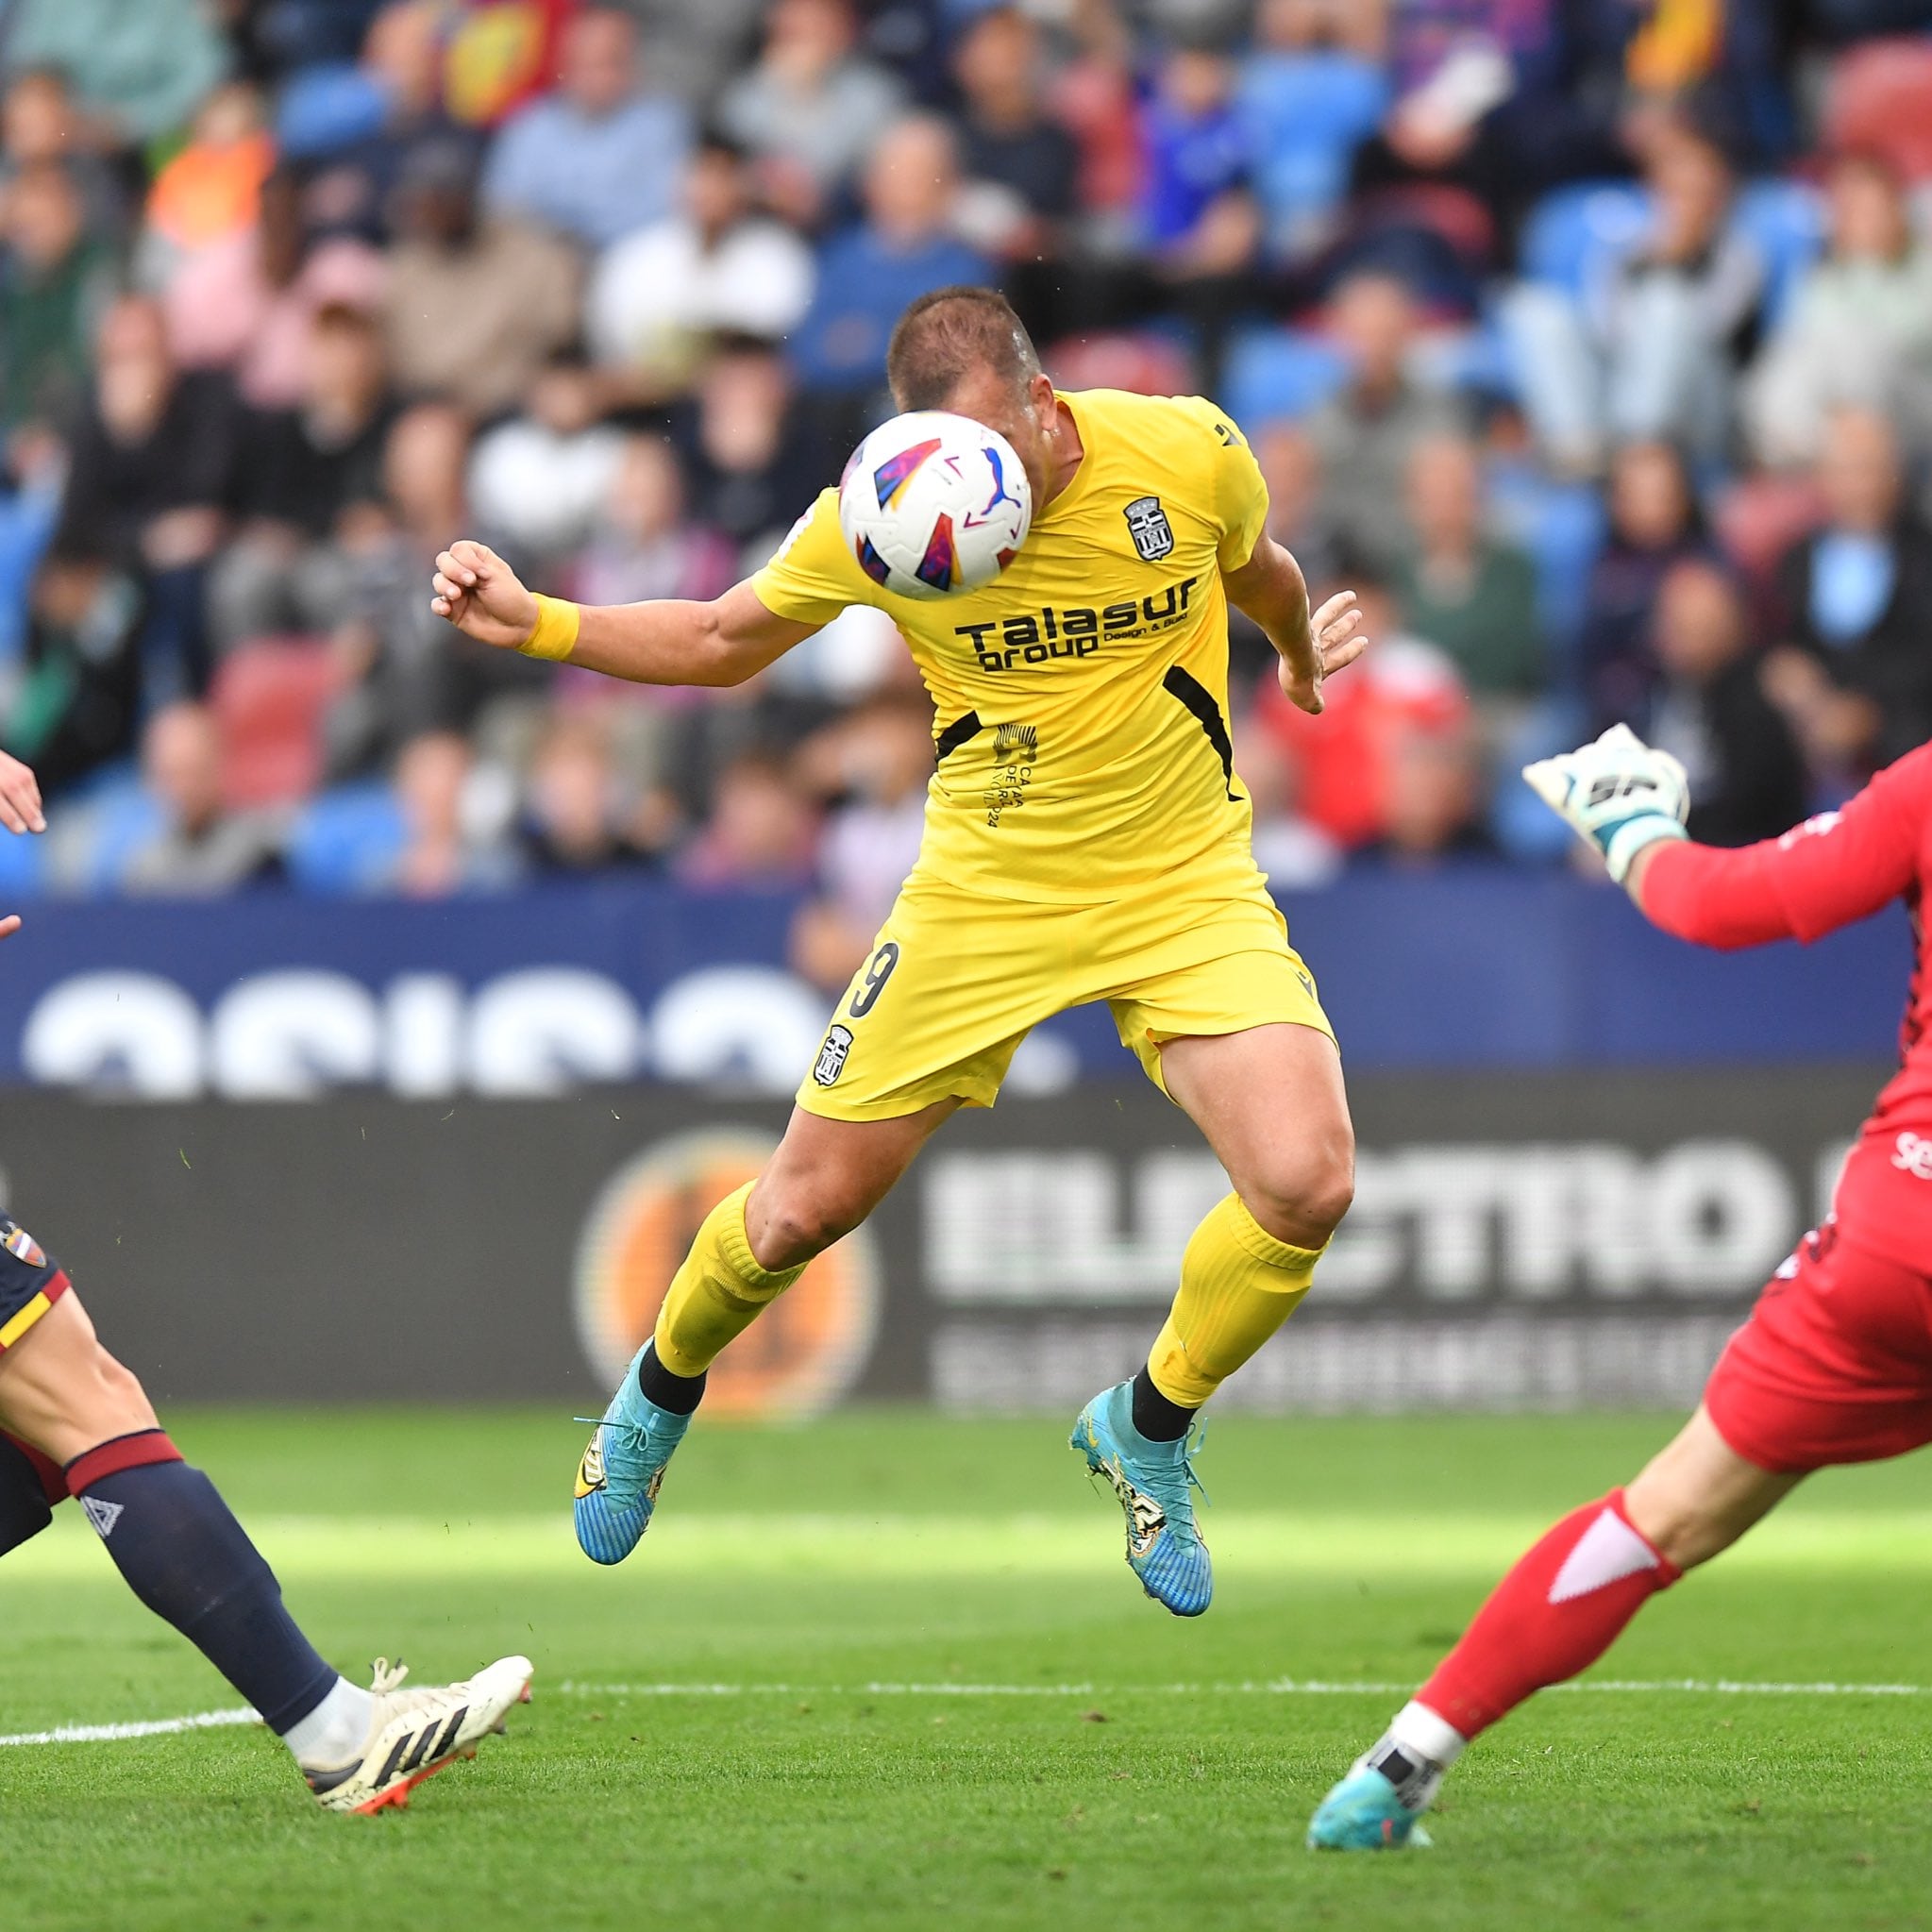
{"type": "Point", "coordinates": [40, 122]}
{"type": "Point", "coordinates": [1341, 762]}
{"type": "Point", "coordinates": [56, 282]}
{"type": "Point", "coordinates": [871, 768]}
{"type": "Point", "coordinates": [302, 471]}
{"type": "Point", "coordinates": [446, 850]}
{"type": "Point", "coordinates": [753, 463]}
{"type": "Point", "coordinates": [1655, 523]}
{"type": "Point", "coordinates": [211, 192]}
{"type": "Point", "coordinates": [575, 817]}
{"type": "Point", "coordinates": [1298, 505]}
{"type": "Point", "coordinates": [1463, 588]}
{"type": "Point", "coordinates": [1856, 605]}
{"type": "Point", "coordinates": [153, 474]}
{"type": "Point", "coordinates": [1431, 796]}
{"type": "Point", "coordinates": [600, 158]}
{"type": "Point", "coordinates": [75, 705]}
{"type": "Point", "coordinates": [1020, 164]}
{"type": "Point", "coordinates": [1654, 352]}
{"type": "Point", "coordinates": [139, 68]}
{"type": "Point", "coordinates": [658, 298]}
{"type": "Point", "coordinates": [1860, 328]}
{"type": "Point", "coordinates": [760, 831]}
{"type": "Point", "coordinates": [1365, 433]}
{"type": "Point", "coordinates": [541, 478]}
{"type": "Point", "coordinates": [642, 544]}
{"type": "Point", "coordinates": [473, 309]}
{"type": "Point", "coordinates": [811, 108]}
{"type": "Point", "coordinates": [354, 191]}
{"type": "Point", "coordinates": [247, 302]}
{"type": "Point", "coordinates": [904, 246]}
{"type": "Point", "coordinates": [1200, 217]}
{"type": "Point", "coordinates": [200, 849]}
{"type": "Point", "coordinates": [1747, 775]}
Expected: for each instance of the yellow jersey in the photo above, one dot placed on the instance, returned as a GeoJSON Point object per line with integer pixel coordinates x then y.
{"type": "Point", "coordinates": [1081, 698]}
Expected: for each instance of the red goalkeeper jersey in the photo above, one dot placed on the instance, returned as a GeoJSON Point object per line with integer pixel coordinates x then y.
{"type": "Point", "coordinates": [1824, 874]}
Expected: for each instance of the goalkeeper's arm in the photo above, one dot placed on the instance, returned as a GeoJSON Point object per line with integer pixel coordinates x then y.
{"type": "Point", "coordinates": [672, 640]}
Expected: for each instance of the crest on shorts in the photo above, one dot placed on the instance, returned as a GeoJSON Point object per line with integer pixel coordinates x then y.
{"type": "Point", "coordinates": [23, 1247]}
{"type": "Point", "coordinates": [1147, 522]}
{"type": "Point", "coordinates": [832, 1056]}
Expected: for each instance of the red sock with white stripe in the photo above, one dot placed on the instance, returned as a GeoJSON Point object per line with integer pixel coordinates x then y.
{"type": "Point", "coordinates": [1562, 1606]}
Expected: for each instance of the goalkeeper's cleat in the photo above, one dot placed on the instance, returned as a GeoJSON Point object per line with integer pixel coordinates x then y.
{"type": "Point", "coordinates": [1364, 1813]}
{"type": "Point", "coordinates": [416, 1732]}
{"type": "Point", "coordinates": [1155, 1482]}
{"type": "Point", "coordinates": [622, 1470]}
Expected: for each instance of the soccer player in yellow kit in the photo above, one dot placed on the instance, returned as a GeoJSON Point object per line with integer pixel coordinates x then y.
{"type": "Point", "coordinates": [1087, 839]}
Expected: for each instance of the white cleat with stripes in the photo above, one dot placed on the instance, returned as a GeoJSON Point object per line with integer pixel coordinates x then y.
{"type": "Point", "coordinates": [417, 1732]}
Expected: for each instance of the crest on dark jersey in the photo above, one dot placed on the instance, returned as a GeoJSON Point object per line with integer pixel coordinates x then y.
{"type": "Point", "coordinates": [1153, 535]}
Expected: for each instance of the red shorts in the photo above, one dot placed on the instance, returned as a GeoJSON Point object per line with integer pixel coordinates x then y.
{"type": "Point", "coordinates": [1834, 1365]}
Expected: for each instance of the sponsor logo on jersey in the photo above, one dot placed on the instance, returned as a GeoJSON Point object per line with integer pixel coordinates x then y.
{"type": "Point", "coordinates": [1035, 637]}
{"type": "Point", "coordinates": [833, 1055]}
{"type": "Point", "coordinates": [1913, 1156]}
{"type": "Point", "coordinates": [23, 1247]}
{"type": "Point", "coordinates": [1147, 523]}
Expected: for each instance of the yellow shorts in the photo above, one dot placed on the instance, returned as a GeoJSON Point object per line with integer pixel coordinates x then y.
{"type": "Point", "coordinates": [956, 979]}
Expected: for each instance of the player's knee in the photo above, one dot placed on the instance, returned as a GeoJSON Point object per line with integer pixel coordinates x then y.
{"type": "Point", "coordinates": [791, 1223]}
{"type": "Point", "coordinates": [1302, 1196]}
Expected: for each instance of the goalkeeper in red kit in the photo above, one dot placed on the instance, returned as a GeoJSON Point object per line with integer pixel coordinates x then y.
{"type": "Point", "coordinates": [1833, 1365]}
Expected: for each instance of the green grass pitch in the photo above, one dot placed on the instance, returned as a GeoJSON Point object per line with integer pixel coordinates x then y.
{"type": "Point", "coordinates": [912, 1685]}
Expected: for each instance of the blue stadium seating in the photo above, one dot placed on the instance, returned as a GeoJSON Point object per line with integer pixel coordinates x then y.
{"type": "Point", "coordinates": [1277, 373]}
{"type": "Point", "coordinates": [346, 841]}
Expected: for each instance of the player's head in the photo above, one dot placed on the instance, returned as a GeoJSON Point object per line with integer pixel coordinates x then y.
{"type": "Point", "coordinates": [964, 349]}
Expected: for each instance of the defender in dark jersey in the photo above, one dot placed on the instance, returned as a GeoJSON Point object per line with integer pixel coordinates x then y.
{"type": "Point", "coordinates": [1833, 1365]}
{"type": "Point", "coordinates": [75, 1422]}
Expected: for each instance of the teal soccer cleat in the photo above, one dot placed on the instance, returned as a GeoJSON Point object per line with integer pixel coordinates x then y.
{"type": "Point", "coordinates": [1153, 1480]}
{"type": "Point", "coordinates": [1364, 1814]}
{"type": "Point", "coordinates": [622, 1470]}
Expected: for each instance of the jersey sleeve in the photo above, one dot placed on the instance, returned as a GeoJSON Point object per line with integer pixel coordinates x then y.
{"type": "Point", "coordinates": [1823, 874]}
{"type": "Point", "coordinates": [811, 577]}
{"type": "Point", "coordinates": [1238, 494]}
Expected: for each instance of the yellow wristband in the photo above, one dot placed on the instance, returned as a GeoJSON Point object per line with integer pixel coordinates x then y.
{"type": "Point", "coordinates": [555, 636]}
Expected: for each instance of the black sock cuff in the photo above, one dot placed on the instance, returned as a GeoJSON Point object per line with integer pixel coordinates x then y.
{"type": "Point", "coordinates": [1155, 1415]}
{"type": "Point", "coordinates": [681, 1394]}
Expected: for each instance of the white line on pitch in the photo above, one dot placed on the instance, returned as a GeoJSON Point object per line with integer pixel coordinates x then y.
{"type": "Point", "coordinates": [152, 1727]}
{"type": "Point", "coordinates": [1280, 1687]}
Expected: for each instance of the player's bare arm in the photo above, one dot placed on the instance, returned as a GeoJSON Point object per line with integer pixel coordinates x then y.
{"type": "Point", "coordinates": [1269, 587]}
{"type": "Point", "coordinates": [673, 641]}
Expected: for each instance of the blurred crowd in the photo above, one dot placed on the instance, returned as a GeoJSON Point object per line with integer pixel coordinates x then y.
{"type": "Point", "coordinates": [1591, 340]}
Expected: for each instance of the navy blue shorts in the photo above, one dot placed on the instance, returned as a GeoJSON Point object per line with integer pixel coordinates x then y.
{"type": "Point", "coordinates": [31, 1281]}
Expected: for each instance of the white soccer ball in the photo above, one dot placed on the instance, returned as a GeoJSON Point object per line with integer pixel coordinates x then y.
{"type": "Point", "coordinates": [932, 503]}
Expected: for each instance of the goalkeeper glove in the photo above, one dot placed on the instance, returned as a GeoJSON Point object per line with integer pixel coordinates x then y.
{"type": "Point", "coordinates": [1616, 793]}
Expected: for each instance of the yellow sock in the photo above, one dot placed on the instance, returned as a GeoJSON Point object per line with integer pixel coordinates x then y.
{"type": "Point", "coordinates": [1238, 1284]}
{"type": "Point", "coordinates": [718, 1292]}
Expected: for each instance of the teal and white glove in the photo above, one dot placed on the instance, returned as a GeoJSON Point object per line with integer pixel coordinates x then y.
{"type": "Point", "coordinates": [1616, 793]}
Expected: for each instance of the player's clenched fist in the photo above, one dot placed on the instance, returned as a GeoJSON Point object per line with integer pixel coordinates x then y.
{"type": "Point", "coordinates": [481, 595]}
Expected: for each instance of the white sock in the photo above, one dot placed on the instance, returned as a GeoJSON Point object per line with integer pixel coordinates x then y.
{"type": "Point", "coordinates": [1414, 1752]}
{"type": "Point", "coordinates": [1419, 1732]}
{"type": "Point", "coordinates": [336, 1730]}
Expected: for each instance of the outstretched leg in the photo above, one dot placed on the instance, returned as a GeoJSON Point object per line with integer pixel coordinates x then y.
{"type": "Point", "coordinates": [1270, 1101]}
{"type": "Point", "coordinates": [826, 1177]}
{"type": "Point", "coordinates": [1568, 1598]}
{"type": "Point", "coordinates": [71, 1404]}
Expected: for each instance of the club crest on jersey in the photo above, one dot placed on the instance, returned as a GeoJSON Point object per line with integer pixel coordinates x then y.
{"type": "Point", "coordinates": [832, 1056]}
{"type": "Point", "coordinates": [23, 1247]}
{"type": "Point", "coordinates": [1147, 523]}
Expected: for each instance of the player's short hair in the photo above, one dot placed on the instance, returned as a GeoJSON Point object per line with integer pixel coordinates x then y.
{"type": "Point", "coordinates": [949, 333]}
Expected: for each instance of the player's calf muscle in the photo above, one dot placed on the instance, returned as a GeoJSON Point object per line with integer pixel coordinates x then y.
{"type": "Point", "coordinates": [62, 1391]}
{"type": "Point", "coordinates": [1697, 1496]}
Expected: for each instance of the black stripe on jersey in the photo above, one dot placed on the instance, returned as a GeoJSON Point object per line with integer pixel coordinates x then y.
{"type": "Point", "coordinates": [1200, 700]}
{"type": "Point", "coordinates": [957, 733]}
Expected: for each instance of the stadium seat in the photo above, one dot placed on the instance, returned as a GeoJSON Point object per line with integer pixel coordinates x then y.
{"type": "Point", "coordinates": [1881, 100]}
{"type": "Point", "coordinates": [1571, 230]}
{"type": "Point", "coordinates": [1306, 116]}
{"type": "Point", "coordinates": [268, 700]}
{"type": "Point", "coordinates": [1274, 374]}
{"type": "Point", "coordinates": [1562, 527]}
{"type": "Point", "coordinates": [1786, 219]}
{"type": "Point", "coordinates": [327, 108]}
{"type": "Point", "coordinates": [1759, 518]}
{"type": "Point", "coordinates": [23, 870]}
{"type": "Point", "coordinates": [1146, 363]}
{"type": "Point", "coordinates": [346, 841]}
{"type": "Point", "coordinates": [119, 818]}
